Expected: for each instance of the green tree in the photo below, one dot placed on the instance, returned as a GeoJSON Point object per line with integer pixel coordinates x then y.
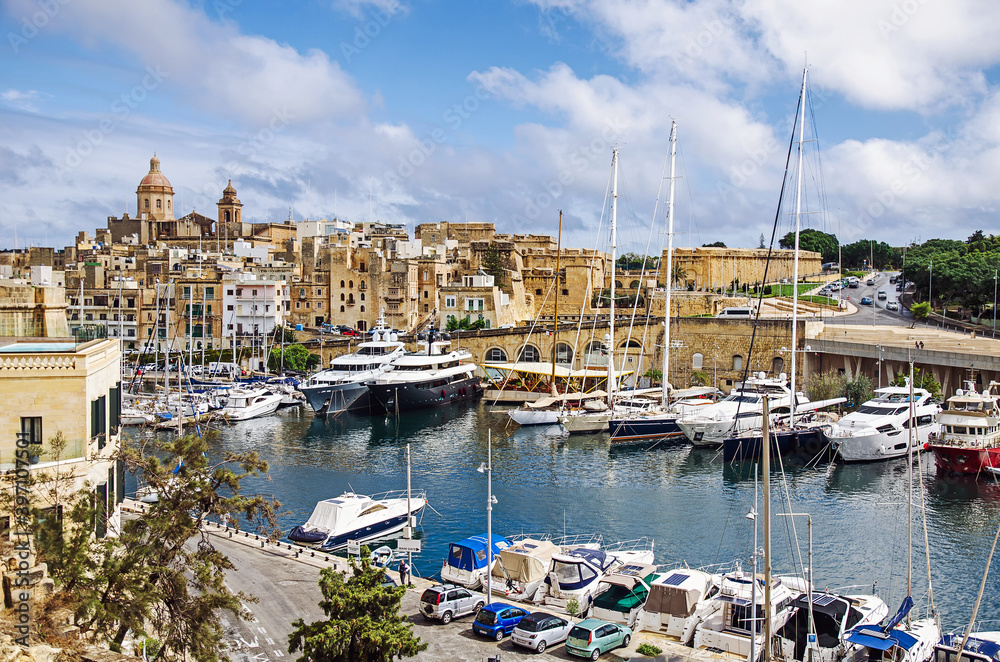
{"type": "Point", "coordinates": [826, 385]}
{"type": "Point", "coordinates": [813, 240]}
{"type": "Point", "coordinates": [761, 244]}
{"type": "Point", "coordinates": [492, 264]}
{"type": "Point", "coordinates": [363, 622]}
{"type": "Point", "coordinates": [151, 579]}
{"type": "Point", "coordinates": [921, 379]}
{"type": "Point", "coordinates": [920, 311]}
{"type": "Point", "coordinates": [699, 378]}
{"type": "Point", "coordinates": [857, 390]}
{"type": "Point", "coordinates": [296, 358]}
{"type": "Point", "coordinates": [715, 244]}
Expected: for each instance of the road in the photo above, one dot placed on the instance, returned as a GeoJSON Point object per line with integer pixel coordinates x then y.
{"type": "Point", "coordinates": [876, 314]}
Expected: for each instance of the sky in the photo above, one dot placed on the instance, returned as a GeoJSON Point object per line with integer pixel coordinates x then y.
{"type": "Point", "coordinates": [418, 111]}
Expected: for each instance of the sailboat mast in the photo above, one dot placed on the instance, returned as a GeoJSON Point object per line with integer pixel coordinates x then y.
{"type": "Point", "coordinates": [766, 455]}
{"type": "Point", "coordinates": [555, 313]}
{"type": "Point", "coordinates": [670, 265]}
{"type": "Point", "coordinates": [909, 499]}
{"type": "Point", "coordinates": [795, 268]}
{"type": "Point", "coordinates": [614, 248]}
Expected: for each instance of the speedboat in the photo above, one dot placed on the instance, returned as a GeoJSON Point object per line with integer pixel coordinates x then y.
{"type": "Point", "coordinates": [357, 518]}
{"type": "Point", "coordinates": [521, 569]}
{"type": "Point", "coordinates": [740, 411]}
{"type": "Point", "coordinates": [969, 440]}
{"type": "Point", "coordinates": [577, 575]}
{"type": "Point", "coordinates": [467, 560]}
{"type": "Point", "coordinates": [342, 386]}
{"type": "Point", "coordinates": [625, 596]}
{"type": "Point", "coordinates": [833, 616]}
{"type": "Point", "coordinates": [250, 402]}
{"type": "Point", "coordinates": [431, 378]}
{"type": "Point", "coordinates": [731, 628]}
{"type": "Point", "coordinates": [678, 602]}
{"type": "Point", "coordinates": [879, 429]}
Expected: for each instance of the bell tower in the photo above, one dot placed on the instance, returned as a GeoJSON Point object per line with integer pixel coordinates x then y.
{"type": "Point", "coordinates": [230, 216]}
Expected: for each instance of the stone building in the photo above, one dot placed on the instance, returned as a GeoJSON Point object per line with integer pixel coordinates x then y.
{"type": "Point", "coordinates": [711, 268]}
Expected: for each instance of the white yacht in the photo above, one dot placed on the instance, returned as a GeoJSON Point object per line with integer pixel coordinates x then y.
{"type": "Point", "coordinates": [728, 630]}
{"type": "Point", "coordinates": [521, 569]}
{"type": "Point", "coordinates": [429, 378]}
{"type": "Point", "coordinates": [878, 430]}
{"type": "Point", "coordinates": [249, 402]}
{"type": "Point", "coordinates": [833, 616]}
{"type": "Point", "coordinates": [342, 386]}
{"type": "Point", "coordinates": [678, 601]}
{"type": "Point", "coordinates": [741, 410]}
{"type": "Point", "coordinates": [357, 517]}
{"type": "Point", "coordinates": [578, 574]}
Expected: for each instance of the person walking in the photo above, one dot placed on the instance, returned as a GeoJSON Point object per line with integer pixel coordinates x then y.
{"type": "Point", "coordinates": [404, 573]}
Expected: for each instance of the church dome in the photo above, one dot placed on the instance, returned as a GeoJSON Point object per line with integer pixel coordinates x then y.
{"type": "Point", "coordinates": [229, 190]}
{"type": "Point", "coordinates": [155, 177]}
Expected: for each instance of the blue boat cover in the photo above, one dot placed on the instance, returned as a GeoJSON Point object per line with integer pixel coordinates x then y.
{"type": "Point", "coordinates": [988, 649]}
{"type": "Point", "coordinates": [901, 613]}
{"type": "Point", "coordinates": [597, 557]}
{"type": "Point", "coordinates": [470, 554]}
{"type": "Point", "coordinates": [873, 637]}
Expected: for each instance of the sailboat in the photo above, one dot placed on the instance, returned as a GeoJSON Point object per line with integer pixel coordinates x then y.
{"type": "Point", "coordinates": [899, 641]}
{"type": "Point", "coordinates": [594, 416]}
{"type": "Point", "coordinates": [789, 435]}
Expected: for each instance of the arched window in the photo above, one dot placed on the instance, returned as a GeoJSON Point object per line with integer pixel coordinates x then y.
{"type": "Point", "coordinates": [341, 283]}
{"type": "Point", "coordinates": [168, 204]}
{"type": "Point", "coordinates": [341, 296]}
{"type": "Point", "coordinates": [496, 355]}
{"type": "Point", "coordinates": [341, 308]}
{"type": "Point", "coordinates": [225, 215]}
{"type": "Point", "coordinates": [631, 344]}
{"type": "Point", "coordinates": [362, 309]}
{"type": "Point", "coordinates": [362, 296]}
{"type": "Point", "coordinates": [146, 203]}
{"type": "Point", "coordinates": [595, 347]}
{"type": "Point", "coordinates": [697, 361]}
{"type": "Point", "coordinates": [634, 284]}
{"type": "Point", "coordinates": [564, 353]}
{"type": "Point", "coordinates": [350, 284]}
{"type": "Point", "coordinates": [618, 283]}
{"type": "Point", "coordinates": [737, 362]}
{"type": "Point", "coordinates": [777, 366]}
{"type": "Point", "coordinates": [529, 354]}
{"type": "Point", "coordinates": [362, 285]}
{"type": "Point", "coordinates": [159, 204]}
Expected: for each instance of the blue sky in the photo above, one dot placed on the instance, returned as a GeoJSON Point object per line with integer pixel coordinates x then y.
{"type": "Point", "coordinates": [502, 112]}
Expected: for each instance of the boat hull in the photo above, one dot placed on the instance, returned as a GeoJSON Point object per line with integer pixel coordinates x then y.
{"type": "Point", "coordinates": [963, 460]}
{"type": "Point", "coordinates": [639, 429]}
{"type": "Point", "coordinates": [539, 417]}
{"type": "Point", "coordinates": [393, 398]}
{"type": "Point", "coordinates": [369, 532]}
{"type": "Point", "coordinates": [878, 445]}
{"type": "Point", "coordinates": [589, 423]}
{"type": "Point", "coordinates": [806, 441]}
{"type": "Point", "coordinates": [336, 398]}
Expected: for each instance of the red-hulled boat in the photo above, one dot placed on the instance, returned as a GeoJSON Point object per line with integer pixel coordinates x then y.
{"type": "Point", "coordinates": [969, 441]}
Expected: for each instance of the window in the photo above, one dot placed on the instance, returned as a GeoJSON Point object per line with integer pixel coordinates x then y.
{"type": "Point", "coordinates": [529, 354]}
{"type": "Point", "coordinates": [31, 429]}
{"type": "Point", "coordinates": [362, 296]}
{"type": "Point", "coordinates": [229, 292]}
{"type": "Point", "coordinates": [341, 309]}
{"type": "Point", "coordinates": [565, 292]}
{"type": "Point", "coordinates": [696, 361]}
{"type": "Point", "coordinates": [426, 294]}
{"type": "Point", "coordinates": [159, 204]}
{"type": "Point", "coordinates": [319, 292]}
{"type": "Point", "coordinates": [350, 283]}
{"type": "Point", "coordinates": [538, 291]}
{"type": "Point", "coordinates": [98, 420]}
{"type": "Point", "coordinates": [341, 296]}
{"type": "Point", "coordinates": [341, 283]}
{"type": "Point", "coordinates": [297, 305]}
{"type": "Point", "coordinates": [496, 355]}
{"type": "Point", "coordinates": [319, 305]}
{"type": "Point", "coordinates": [777, 365]}
{"type": "Point", "coordinates": [564, 353]}
{"type": "Point", "coordinates": [187, 291]}
{"type": "Point", "coordinates": [737, 362]}
{"type": "Point", "coordinates": [230, 306]}
{"type": "Point", "coordinates": [449, 302]}
{"type": "Point", "coordinates": [362, 309]}
{"type": "Point", "coordinates": [209, 293]}
{"type": "Point", "coordinates": [475, 304]}
{"type": "Point", "coordinates": [146, 203]}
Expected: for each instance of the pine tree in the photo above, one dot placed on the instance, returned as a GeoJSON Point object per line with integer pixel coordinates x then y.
{"type": "Point", "coordinates": [761, 244]}
{"type": "Point", "coordinates": [363, 622]}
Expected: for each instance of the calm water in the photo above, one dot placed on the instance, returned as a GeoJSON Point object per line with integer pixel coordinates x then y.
{"type": "Point", "coordinates": [684, 498]}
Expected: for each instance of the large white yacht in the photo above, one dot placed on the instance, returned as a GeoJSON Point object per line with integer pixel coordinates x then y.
{"type": "Point", "coordinates": [343, 386]}
{"type": "Point", "coordinates": [358, 517]}
{"type": "Point", "coordinates": [249, 402]}
{"type": "Point", "coordinates": [879, 429]}
{"type": "Point", "coordinates": [741, 410]}
{"type": "Point", "coordinates": [429, 378]}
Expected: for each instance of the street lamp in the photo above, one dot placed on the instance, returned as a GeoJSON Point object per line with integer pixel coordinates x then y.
{"type": "Point", "coordinates": [487, 468]}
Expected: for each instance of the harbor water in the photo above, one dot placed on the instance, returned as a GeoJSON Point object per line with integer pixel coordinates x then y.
{"type": "Point", "coordinates": [686, 499]}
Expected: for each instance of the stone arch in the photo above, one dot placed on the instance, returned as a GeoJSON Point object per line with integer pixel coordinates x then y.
{"type": "Point", "coordinates": [630, 343]}
{"type": "Point", "coordinates": [564, 354]}
{"type": "Point", "coordinates": [737, 362]}
{"type": "Point", "coordinates": [529, 354]}
{"type": "Point", "coordinates": [777, 366]}
{"type": "Point", "coordinates": [496, 355]}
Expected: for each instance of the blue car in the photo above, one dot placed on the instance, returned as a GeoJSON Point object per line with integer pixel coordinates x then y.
{"type": "Point", "coordinates": [866, 301]}
{"type": "Point", "coordinates": [497, 620]}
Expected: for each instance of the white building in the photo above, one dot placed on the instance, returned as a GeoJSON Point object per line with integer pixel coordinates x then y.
{"type": "Point", "coordinates": [252, 307]}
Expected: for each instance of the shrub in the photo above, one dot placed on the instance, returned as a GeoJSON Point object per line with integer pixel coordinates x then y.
{"type": "Point", "coordinates": [648, 650]}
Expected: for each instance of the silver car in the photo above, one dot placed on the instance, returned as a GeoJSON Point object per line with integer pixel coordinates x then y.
{"type": "Point", "coordinates": [449, 601]}
{"type": "Point", "coordinates": [539, 630]}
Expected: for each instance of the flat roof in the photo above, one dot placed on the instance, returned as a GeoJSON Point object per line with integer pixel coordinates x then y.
{"type": "Point", "coordinates": [39, 347]}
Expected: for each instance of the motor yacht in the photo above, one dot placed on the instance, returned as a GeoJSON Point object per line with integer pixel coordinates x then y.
{"type": "Point", "coordinates": [577, 575]}
{"type": "Point", "coordinates": [979, 647]}
{"type": "Point", "coordinates": [249, 402]}
{"type": "Point", "coordinates": [879, 429]}
{"type": "Point", "coordinates": [741, 410]}
{"type": "Point", "coordinates": [343, 386]}
{"type": "Point", "coordinates": [623, 600]}
{"type": "Point", "coordinates": [429, 378]}
{"type": "Point", "coordinates": [357, 517]}
{"type": "Point", "coordinates": [969, 439]}
{"type": "Point", "coordinates": [521, 569]}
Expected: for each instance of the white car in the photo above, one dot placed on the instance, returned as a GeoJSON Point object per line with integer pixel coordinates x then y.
{"type": "Point", "coordinates": [539, 630]}
{"type": "Point", "coordinates": [892, 305]}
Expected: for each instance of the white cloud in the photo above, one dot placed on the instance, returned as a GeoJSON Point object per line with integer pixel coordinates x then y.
{"type": "Point", "coordinates": [219, 69]}
{"type": "Point", "coordinates": [22, 100]}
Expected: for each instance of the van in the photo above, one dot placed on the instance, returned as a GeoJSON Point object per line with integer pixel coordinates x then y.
{"type": "Point", "coordinates": [736, 313]}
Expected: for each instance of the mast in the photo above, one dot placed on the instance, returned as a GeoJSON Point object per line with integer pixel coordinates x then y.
{"type": "Point", "coordinates": [798, 216]}
{"type": "Point", "coordinates": [753, 583]}
{"type": "Point", "coordinates": [670, 266]}
{"type": "Point", "coordinates": [555, 315]}
{"type": "Point", "coordinates": [766, 454]}
{"type": "Point", "coordinates": [409, 511]}
{"type": "Point", "coordinates": [614, 247]}
{"type": "Point", "coordinates": [909, 498]}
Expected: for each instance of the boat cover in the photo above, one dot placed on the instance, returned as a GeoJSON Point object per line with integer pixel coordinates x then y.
{"type": "Point", "coordinates": [526, 562]}
{"type": "Point", "coordinates": [677, 594]}
{"type": "Point", "coordinates": [324, 515]}
{"type": "Point", "coordinates": [596, 557]}
{"type": "Point", "coordinates": [871, 636]}
{"type": "Point", "coordinates": [988, 649]}
{"type": "Point", "coordinates": [470, 554]}
{"type": "Point", "coordinates": [624, 599]}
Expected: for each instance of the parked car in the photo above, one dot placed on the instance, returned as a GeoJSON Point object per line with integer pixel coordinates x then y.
{"type": "Point", "coordinates": [892, 305]}
{"type": "Point", "coordinates": [448, 601]}
{"type": "Point", "coordinates": [539, 630]}
{"type": "Point", "coordinates": [593, 636]}
{"type": "Point", "coordinates": [866, 301]}
{"type": "Point", "coordinates": [350, 332]}
{"type": "Point", "coordinates": [498, 620]}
